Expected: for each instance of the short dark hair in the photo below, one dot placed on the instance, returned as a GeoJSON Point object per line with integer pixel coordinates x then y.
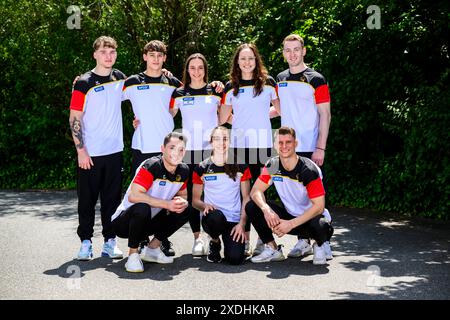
{"type": "Point", "coordinates": [285, 131]}
{"type": "Point", "coordinates": [155, 46]}
{"type": "Point", "coordinates": [104, 41]}
{"type": "Point", "coordinates": [174, 134]}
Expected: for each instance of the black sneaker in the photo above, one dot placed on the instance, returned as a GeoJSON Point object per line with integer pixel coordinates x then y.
{"type": "Point", "coordinates": [166, 247]}
{"type": "Point", "coordinates": [214, 252]}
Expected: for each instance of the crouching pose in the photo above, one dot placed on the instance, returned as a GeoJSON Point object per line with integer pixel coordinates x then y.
{"type": "Point", "coordinates": [154, 204]}
{"type": "Point", "coordinates": [298, 183]}
{"type": "Point", "coordinates": [223, 184]}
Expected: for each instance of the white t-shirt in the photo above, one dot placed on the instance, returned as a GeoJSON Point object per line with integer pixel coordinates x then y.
{"type": "Point", "coordinates": [150, 99]}
{"type": "Point", "coordinates": [251, 127]}
{"type": "Point", "coordinates": [199, 114]}
{"type": "Point", "coordinates": [100, 100]}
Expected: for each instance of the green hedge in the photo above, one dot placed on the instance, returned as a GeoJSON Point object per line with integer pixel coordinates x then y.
{"type": "Point", "coordinates": [389, 87]}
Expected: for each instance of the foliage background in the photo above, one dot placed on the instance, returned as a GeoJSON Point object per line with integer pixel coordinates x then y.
{"type": "Point", "coordinates": [388, 140]}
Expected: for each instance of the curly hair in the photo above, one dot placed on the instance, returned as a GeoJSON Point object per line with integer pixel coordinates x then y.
{"type": "Point", "coordinates": [259, 73]}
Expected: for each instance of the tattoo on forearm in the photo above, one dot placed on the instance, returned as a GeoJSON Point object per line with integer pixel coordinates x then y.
{"type": "Point", "coordinates": [75, 126]}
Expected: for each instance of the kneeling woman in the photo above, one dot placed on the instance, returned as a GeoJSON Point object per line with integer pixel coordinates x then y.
{"type": "Point", "coordinates": [222, 182]}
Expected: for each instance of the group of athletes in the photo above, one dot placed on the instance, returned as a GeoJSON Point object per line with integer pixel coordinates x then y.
{"type": "Point", "coordinates": [207, 174]}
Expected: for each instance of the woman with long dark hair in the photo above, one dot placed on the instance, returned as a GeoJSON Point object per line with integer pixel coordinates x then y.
{"type": "Point", "coordinates": [223, 182]}
{"type": "Point", "coordinates": [246, 104]}
{"type": "Point", "coordinates": [198, 102]}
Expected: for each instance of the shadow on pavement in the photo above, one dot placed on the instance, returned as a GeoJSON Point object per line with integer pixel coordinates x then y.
{"type": "Point", "coordinates": [42, 204]}
{"type": "Point", "coordinates": [415, 252]}
{"type": "Point", "coordinates": [166, 272]}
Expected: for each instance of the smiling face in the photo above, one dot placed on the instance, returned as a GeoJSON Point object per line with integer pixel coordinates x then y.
{"type": "Point", "coordinates": [293, 52]}
{"type": "Point", "coordinates": [247, 61]}
{"type": "Point", "coordinates": [196, 70]}
{"type": "Point", "coordinates": [173, 152]}
{"type": "Point", "coordinates": [220, 140]}
{"type": "Point", "coordinates": [155, 60]}
{"type": "Point", "coordinates": [285, 145]}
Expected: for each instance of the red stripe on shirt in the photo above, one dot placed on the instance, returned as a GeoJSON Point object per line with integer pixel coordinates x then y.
{"type": "Point", "coordinates": [224, 96]}
{"type": "Point", "coordinates": [315, 188]}
{"type": "Point", "coordinates": [172, 103]}
{"type": "Point", "coordinates": [144, 178]}
{"type": "Point", "coordinates": [184, 186]}
{"type": "Point", "coordinates": [264, 176]}
{"type": "Point", "coordinates": [322, 94]}
{"type": "Point", "coordinates": [247, 175]}
{"type": "Point", "coordinates": [276, 90]}
{"type": "Point", "coordinates": [196, 178]}
{"type": "Point", "coordinates": [77, 101]}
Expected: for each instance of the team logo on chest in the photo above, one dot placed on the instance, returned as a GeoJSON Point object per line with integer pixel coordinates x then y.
{"type": "Point", "coordinates": [178, 178]}
{"type": "Point", "coordinates": [143, 87]}
{"type": "Point", "coordinates": [277, 178]}
{"type": "Point", "coordinates": [282, 84]}
{"type": "Point", "coordinates": [188, 101]}
{"type": "Point", "coordinates": [210, 178]}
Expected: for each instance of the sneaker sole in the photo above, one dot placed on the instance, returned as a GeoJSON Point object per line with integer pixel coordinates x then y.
{"type": "Point", "coordinates": [106, 255]}
{"type": "Point", "coordinates": [198, 254]}
{"type": "Point", "coordinates": [213, 261]}
{"type": "Point", "coordinates": [84, 259]}
{"type": "Point", "coordinates": [320, 262]}
{"type": "Point", "coordinates": [300, 255]}
{"type": "Point", "coordinates": [155, 261]}
{"type": "Point", "coordinates": [272, 260]}
{"type": "Point", "coordinates": [134, 271]}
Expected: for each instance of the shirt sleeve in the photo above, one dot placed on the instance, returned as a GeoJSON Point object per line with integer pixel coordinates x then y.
{"type": "Point", "coordinates": [322, 94]}
{"type": "Point", "coordinates": [78, 100]}
{"type": "Point", "coordinates": [247, 175]}
{"type": "Point", "coordinates": [144, 178]}
{"type": "Point", "coordinates": [196, 175]}
{"type": "Point", "coordinates": [315, 188]}
{"type": "Point", "coordinates": [265, 176]}
{"type": "Point", "coordinates": [227, 97]}
{"type": "Point", "coordinates": [126, 90]}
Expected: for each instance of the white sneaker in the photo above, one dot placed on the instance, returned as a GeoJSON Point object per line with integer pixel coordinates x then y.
{"type": "Point", "coordinates": [85, 253]}
{"type": "Point", "coordinates": [301, 249]}
{"type": "Point", "coordinates": [155, 255]}
{"type": "Point", "coordinates": [328, 252]}
{"type": "Point", "coordinates": [319, 255]}
{"type": "Point", "coordinates": [111, 250]}
{"type": "Point", "coordinates": [199, 248]}
{"type": "Point", "coordinates": [269, 254]}
{"type": "Point", "coordinates": [259, 248]}
{"type": "Point", "coordinates": [326, 214]}
{"type": "Point", "coordinates": [134, 263]}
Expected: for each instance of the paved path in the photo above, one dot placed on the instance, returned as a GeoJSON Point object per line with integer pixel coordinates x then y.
{"type": "Point", "coordinates": [376, 257]}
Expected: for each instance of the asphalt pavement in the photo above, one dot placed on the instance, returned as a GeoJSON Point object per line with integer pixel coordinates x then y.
{"type": "Point", "coordinates": [376, 256]}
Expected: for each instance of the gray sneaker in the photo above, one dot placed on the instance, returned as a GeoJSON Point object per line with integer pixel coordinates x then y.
{"type": "Point", "coordinates": [268, 255]}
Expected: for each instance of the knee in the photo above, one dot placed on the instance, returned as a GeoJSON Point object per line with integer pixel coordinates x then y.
{"type": "Point", "coordinates": [141, 211]}
{"type": "Point", "coordinates": [215, 218]}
